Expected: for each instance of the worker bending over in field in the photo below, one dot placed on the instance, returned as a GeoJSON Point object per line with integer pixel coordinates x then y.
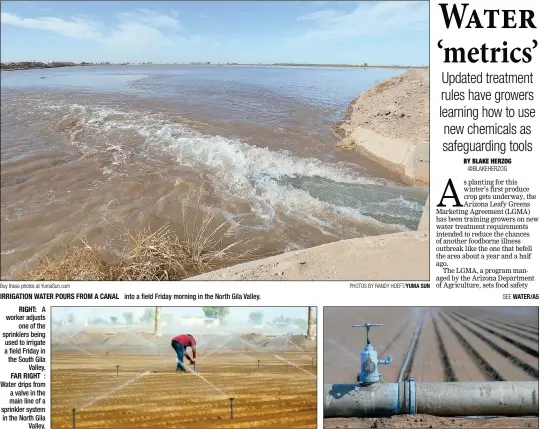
{"type": "Point", "coordinates": [180, 343]}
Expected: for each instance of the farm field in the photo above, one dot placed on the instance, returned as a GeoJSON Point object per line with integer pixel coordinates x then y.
{"type": "Point", "coordinates": [275, 387]}
{"type": "Point", "coordinates": [445, 344]}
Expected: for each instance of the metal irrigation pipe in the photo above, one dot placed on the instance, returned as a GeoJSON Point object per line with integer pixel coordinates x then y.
{"type": "Point", "coordinates": [486, 398]}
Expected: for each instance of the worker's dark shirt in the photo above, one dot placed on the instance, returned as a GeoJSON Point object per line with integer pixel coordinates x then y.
{"type": "Point", "coordinates": [187, 341]}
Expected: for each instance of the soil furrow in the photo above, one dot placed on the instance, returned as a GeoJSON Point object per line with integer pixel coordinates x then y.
{"type": "Point", "coordinates": [479, 361]}
{"type": "Point", "coordinates": [277, 395]}
{"type": "Point", "coordinates": [533, 372]}
{"type": "Point", "coordinates": [514, 331]}
{"type": "Point", "coordinates": [519, 345]}
{"type": "Point", "coordinates": [525, 328]}
{"type": "Point", "coordinates": [517, 352]}
{"type": "Point", "coordinates": [449, 374]}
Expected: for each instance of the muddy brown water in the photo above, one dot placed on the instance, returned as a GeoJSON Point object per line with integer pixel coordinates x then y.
{"type": "Point", "coordinates": [87, 150]}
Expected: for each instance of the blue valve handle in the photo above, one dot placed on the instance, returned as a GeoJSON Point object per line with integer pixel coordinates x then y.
{"type": "Point", "coordinates": [367, 326]}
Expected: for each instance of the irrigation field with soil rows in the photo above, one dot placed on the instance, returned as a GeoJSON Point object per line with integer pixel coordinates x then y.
{"type": "Point", "coordinates": [433, 344]}
{"type": "Point", "coordinates": [270, 388]}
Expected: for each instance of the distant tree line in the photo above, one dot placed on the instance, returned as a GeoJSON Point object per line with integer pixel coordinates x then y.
{"type": "Point", "coordinates": [26, 65]}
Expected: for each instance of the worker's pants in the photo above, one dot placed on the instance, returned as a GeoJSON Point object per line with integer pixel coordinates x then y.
{"type": "Point", "coordinates": [179, 349]}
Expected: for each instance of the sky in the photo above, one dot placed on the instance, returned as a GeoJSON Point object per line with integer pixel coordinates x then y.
{"type": "Point", "coordinates": [236, 314]}
{"type": "Point", "coordinates": [318, 32]}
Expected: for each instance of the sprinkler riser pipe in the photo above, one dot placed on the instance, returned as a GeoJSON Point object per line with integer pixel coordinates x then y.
{"type": "Point", "coordinates": [74, 418]}
{"type": "Point", "coordinates": [491, 398]}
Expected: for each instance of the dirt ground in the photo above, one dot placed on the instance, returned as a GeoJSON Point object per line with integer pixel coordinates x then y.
{"type": "Point", "coordinates": [397, 108]}
{"type": "Point", "coordinates": [149, 393]}
{"type": "Point", "coordinates": [423, 421]}
{"type": "Point", "coordinates": [454, 344]}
